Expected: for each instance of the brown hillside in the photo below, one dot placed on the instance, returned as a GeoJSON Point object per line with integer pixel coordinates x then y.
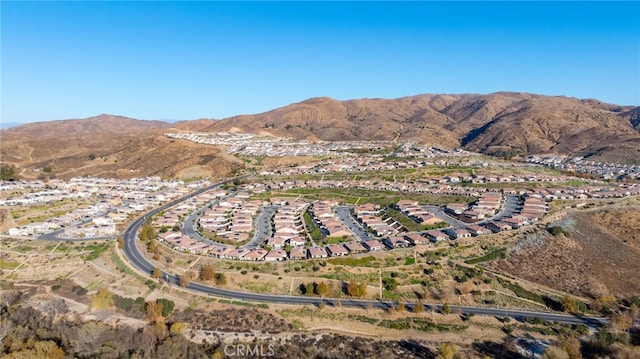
{"type": "Point", "coordinates": [500, 122]}
{"type": "Point", "coordinates": [108, 146]}
{"type": "Point", "coordinates": [599, 255]}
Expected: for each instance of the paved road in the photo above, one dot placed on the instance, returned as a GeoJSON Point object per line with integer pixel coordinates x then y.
{"type": "Point", "coordinates": [134, 255]}
{"type": "Point", "coordinates": [344, 213]}
{"type": "Point", "coordinates": [189, 228]}
{"type": "Point", "coordinates": [263, 227]}
{"type": "Point", "coordinates": [439, 212]}
{"type": "Point", "coordinates": [55, 235]}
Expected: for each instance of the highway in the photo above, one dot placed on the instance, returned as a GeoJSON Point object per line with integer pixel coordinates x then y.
{"type": "Point", "coordinates": [136, 258]}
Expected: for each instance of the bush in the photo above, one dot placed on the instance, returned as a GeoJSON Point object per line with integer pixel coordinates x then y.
{"type": "Point", "coordinates": [79, 291]}
{"type": "Point", "coordinates": [123, 303]}
{"type": "Point", "coordinates": [243, 272]}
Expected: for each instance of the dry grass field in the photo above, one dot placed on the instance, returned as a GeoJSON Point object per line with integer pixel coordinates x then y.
{"type": "Point", "coordinates": [598, 253]}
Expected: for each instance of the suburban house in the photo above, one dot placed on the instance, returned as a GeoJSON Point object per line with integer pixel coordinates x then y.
{"type": "Point", "coordinates": [477, 230]}
{"type": "Point", "coordinates": [457, 233]}
{"type": "Point", "coordinates": [276, 255]}
{"type": "Point", "coordinates": [435, 236]}
{"type": "Point", "coordinates": [336, 250]}
{"type": "Point", "coordinates": [373, 245]}
{"type": "Point", "coordinates": [255, 255]}
{"type": "Point", "coordinates": [456, 208]}
{"type": "Point", "coordinates": [298, 253]}
{"type": "Point", "coordinates": [297, 241]}
{"type": "Point", "coordinates": [498, 226]}
{"type": "Point", "coordinates": [276, 242]}
{"type": "Point", "coordinates": [416, 238]}
{"type": "Point", "coordinates": [317, 252]}
{"type": "Point", "coordinates": [355, 247]}
{"type": "Point", "coordinates": [396, 242]}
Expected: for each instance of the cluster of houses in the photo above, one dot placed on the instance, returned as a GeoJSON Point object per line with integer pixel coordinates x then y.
{"type": "Point", "coordinates": [328, 222]}
{"type": "Point", "coordinates": [372, 216]}
{"type": "Point", "coordinates": [288, 225]}
{"type": "Point", "coordinates": [252, 145]}
{"type": "Point", "coordinates": [414, 211]}
{"type": "Point", "coordinates": [231, 219]}
{"type": "Point", "coordinates": [113, 202]}
{"type": "Point", "coordinates": [605, 171]}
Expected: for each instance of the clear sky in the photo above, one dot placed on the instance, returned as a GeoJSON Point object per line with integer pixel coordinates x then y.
{"type": "Point", "coordinates": [188, 60]}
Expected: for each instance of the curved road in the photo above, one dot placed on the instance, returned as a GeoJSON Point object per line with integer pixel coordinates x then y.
{"type": "Point", "coordinates": [138, 260]}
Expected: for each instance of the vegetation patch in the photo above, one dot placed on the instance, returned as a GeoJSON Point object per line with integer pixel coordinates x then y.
{"type": "Point", "coordinates": [497, 254]}
{"type": "Point", "coordinates": [368, 261]}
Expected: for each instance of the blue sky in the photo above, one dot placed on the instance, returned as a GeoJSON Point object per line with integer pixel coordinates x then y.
{"type": "Point", "coordinates": [188, 60]}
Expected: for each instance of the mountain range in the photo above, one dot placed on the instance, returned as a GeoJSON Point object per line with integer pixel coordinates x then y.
{"type": "Point", "coordinates": [503, 123]}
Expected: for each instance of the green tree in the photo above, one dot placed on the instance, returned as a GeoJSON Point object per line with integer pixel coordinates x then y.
{"type": "Point", "coordinates": [167, 306]}
{"type": "Point", "coordinates": [389, 283]}
{"type": "Point", "coordinates": [7, 172]}
{"type": "Point", "coordinates": [47, 169]}
{"type": "Point", "coordinates": [147, 232]}
{"type": "Point", "coordinates": [221, 279]}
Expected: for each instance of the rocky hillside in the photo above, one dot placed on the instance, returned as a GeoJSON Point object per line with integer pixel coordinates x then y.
{"type": "Point", "coordinates": [496, 123]}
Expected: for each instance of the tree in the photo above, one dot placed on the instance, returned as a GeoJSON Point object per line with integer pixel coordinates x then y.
{"type": "Point", "coordinates": [177, 328]}
{"type": "Point", "coordinates": [221, 279]}
{"type": "Point", "coordinates": [322, 288]}
{"type": "Point", "coordinates": [185, 279]}
{"type": "Point", "coordinates": [389, 283]}
{"type": "Point", "coordinates": [154, 312]}
{"type": "Point", "coordinates": [176, 228]}
{"type": "Point", "coordinates": [401, 307]}
{"type": "Point", "coordinates": [356, 289]}
{"type": "Point", "coordinates": [571, 346]}
{"type": "Point", "coordinates": [569, 304]}
{"type": "Point", "coordinates": [102, 299]}
{"type": "Point", "coordinates": [167, 306]}
{"type": "Point", "coordinates": [555, 352]}
{"type": "Point", "coordinates": [7, 172]}
{"type": "Point", "coordinates": [446, 309]}
{"type": "Point", "coordinates": [147, 232]}
{"type": "Point", "coordinates": [157, 273]}
{"type": "Point", "coordinates": [47, 169]}
{"type": "Point", "coordinates": [418, 307]}
{"type": "Point", "coordinates": [621, 321]}
{"type": "Point", "coordinates": [207, 272]}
